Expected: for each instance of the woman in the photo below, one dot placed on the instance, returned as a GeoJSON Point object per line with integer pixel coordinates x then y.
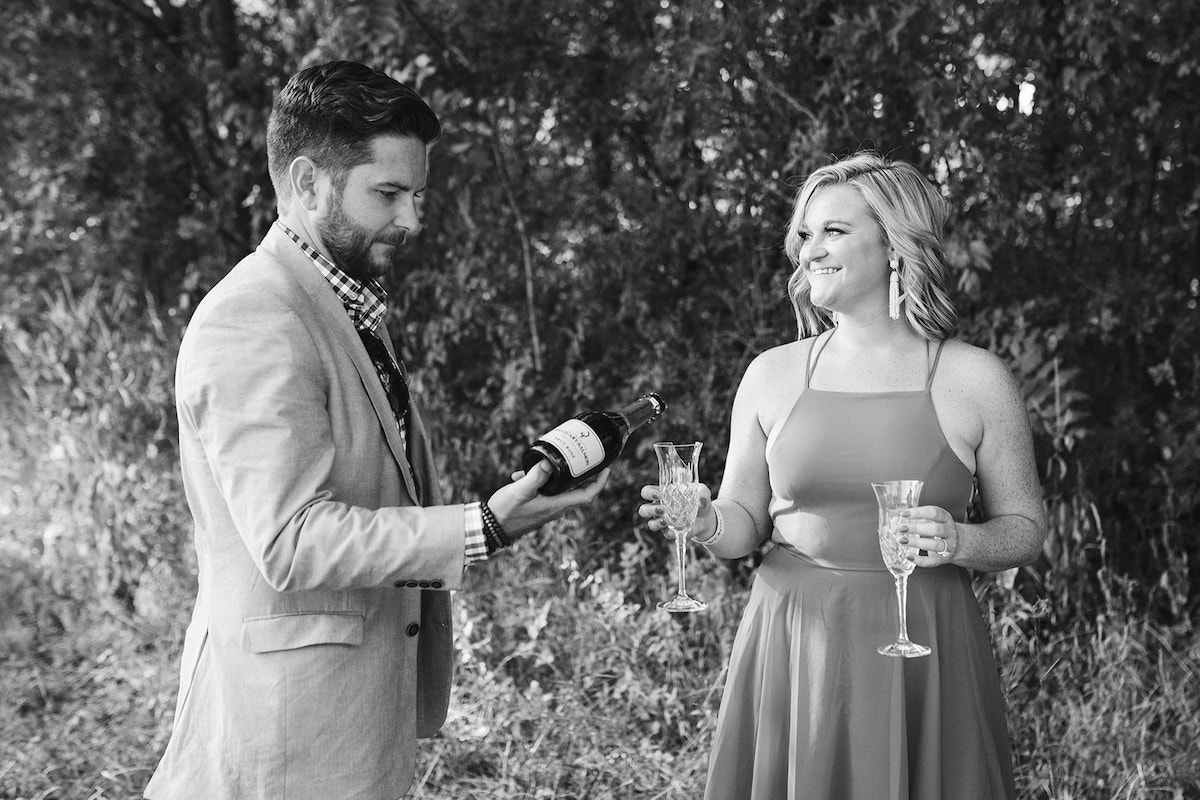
{"type": "Point", "coordinates": [811, 709]}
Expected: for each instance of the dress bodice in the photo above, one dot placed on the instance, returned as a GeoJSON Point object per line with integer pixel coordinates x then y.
{"type": "Point", "coordinates": [829, 449]}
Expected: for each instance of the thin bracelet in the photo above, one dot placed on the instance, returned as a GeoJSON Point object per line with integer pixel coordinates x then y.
{"type": "Point", "coordinates": [716, 534]}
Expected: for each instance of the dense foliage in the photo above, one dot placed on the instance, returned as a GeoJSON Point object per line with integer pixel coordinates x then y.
{"type": "Point", "coordinates": [605, 216]}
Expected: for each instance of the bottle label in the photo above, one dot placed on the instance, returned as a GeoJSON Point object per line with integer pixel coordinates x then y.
{"type": "Point", "coordinates": [579, 445]}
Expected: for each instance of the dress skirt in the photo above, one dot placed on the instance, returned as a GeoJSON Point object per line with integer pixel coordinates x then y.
{"type": "Point", "coordinates": [811, 710]}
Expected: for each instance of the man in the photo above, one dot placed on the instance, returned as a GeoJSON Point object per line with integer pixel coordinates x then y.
{"type": "Point", "coordinates": [320, 646]}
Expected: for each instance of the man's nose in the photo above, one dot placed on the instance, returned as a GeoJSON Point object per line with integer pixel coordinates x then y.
{"type": "Point", "coordinates": [408, 219]}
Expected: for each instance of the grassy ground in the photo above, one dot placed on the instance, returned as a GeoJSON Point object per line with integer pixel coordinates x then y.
{"type": "Point", "coordinates": [1110, 713]}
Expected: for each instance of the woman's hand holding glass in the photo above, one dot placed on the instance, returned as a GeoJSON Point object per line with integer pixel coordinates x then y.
{"type": "Point", "coordinates": [933, 532]}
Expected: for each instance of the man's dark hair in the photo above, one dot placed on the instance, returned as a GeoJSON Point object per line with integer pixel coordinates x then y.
{"type": "Point", "coordinates": [332, 112]}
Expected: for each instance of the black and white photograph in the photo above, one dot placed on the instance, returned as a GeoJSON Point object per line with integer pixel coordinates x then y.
{"type": "Point", "coordinates": [599, 400]}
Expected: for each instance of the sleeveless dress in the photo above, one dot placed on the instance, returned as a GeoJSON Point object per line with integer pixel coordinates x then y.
{"type": "Point", "coordinates": [811, 710]}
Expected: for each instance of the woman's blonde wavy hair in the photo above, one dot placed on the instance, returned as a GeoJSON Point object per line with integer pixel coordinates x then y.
{"type": "Point", "coordinates": [912, 216]}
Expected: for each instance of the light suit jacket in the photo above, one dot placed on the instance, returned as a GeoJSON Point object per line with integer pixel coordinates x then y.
{"type": "Point", "coordinates": [321, 644]}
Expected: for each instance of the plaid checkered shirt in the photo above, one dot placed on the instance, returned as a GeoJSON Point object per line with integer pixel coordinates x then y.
{"type": "Point", "coordinates": [366, 303]}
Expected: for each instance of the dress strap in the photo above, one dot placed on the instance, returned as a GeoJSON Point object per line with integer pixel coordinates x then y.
{"type": "Point", "coordinates": [814, 353]}
{"type": "Point", "coordinates": [937, 357]}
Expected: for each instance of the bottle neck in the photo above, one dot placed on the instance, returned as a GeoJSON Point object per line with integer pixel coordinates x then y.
{"type": "Point", "coordinates": [643, 410]}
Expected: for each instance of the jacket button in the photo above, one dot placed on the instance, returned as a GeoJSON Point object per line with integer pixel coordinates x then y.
{"type": "Point", "coordinates": [413, 629]}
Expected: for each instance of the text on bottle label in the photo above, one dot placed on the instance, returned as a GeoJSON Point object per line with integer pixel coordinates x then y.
{"type": "Point", "coordinates": [579, 445]}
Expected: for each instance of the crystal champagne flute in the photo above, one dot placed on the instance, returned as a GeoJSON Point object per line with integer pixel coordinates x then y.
{"type": "Point", "coordinates": [893, 497]}
{"type": "Point", "coordinates": [679, 486]}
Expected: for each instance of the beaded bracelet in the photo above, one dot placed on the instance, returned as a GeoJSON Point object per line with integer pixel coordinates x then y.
{"type": "Point", "coordinates": [717, 533]}
{"type": "Point", "coordinates": [494, 534]}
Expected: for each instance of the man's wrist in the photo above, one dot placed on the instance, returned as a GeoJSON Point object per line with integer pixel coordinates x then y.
{"type": "Point", "coordinates": [493, 532]}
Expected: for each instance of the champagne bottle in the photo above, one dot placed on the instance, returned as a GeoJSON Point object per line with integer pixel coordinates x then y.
{"type": "Point", "coordinates": [578, 449]}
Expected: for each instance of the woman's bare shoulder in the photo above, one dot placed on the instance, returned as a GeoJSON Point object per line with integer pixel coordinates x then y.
{"type": "Point", "coordinates": [782, 354]}
{"type": "Point", "coordinates": [774, 378]}
{"type": "Point", "coordinates": [974, 373]}
{"type": "Point", "coordinates": [778, 362]}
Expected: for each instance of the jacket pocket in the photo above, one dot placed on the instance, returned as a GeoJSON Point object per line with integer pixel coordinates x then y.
{"type": "Point", "coordinates": [267, 634]}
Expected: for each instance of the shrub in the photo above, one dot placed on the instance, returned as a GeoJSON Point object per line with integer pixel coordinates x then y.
{"type": "Point", "coordinates": [94, 372]}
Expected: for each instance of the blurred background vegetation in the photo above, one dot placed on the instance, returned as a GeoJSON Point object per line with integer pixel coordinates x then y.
{"type": "Point", "coordinates": [605, 216]}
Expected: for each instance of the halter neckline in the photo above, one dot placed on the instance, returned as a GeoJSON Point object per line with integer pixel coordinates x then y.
{"type": "Point", "coordinates": [819, 347]}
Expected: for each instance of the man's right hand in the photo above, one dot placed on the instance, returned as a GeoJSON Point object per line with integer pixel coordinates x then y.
{"type": "Point", "coordinates": [520, 509]}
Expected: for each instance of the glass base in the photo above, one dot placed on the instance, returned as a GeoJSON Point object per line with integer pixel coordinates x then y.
{"type": "Point", "coordinates": [682, 605]}
{"type": "Point", "coordinates": [905, 650]}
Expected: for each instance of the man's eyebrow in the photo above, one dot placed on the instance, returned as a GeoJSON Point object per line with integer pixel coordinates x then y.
{"type": "Point", "coordinates": [404, 187]}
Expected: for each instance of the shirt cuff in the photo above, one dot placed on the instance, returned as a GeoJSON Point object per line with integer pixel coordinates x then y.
{"type": "Point", "coordinates": [476, 550]}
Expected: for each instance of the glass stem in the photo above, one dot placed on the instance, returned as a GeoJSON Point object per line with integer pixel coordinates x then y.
{"type": "Point", "coordinates": [680, 560]}
{"type": "Point", "coordinates": [902, 600]}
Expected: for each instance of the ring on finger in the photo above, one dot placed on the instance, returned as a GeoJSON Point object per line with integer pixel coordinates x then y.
{"type": "Point", "coordinates": [944, 547]}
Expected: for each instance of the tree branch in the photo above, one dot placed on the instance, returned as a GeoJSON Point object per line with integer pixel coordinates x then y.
{"type": "Point", "coordinates": [526, 249]}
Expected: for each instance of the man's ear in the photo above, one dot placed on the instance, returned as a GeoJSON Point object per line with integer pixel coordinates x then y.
{"type": "Point", "coordinates": [302, 173]}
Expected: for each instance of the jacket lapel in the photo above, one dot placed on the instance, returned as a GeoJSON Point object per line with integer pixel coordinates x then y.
{"type": "Point", "coordinates": [334, 318]}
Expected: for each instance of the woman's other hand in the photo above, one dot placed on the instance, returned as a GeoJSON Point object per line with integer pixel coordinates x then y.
{"type": "Point", "coordinates": [932, 530]}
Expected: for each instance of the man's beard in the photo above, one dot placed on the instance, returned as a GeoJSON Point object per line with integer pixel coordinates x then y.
{"type": "Point", "coordinates": [349, 245]}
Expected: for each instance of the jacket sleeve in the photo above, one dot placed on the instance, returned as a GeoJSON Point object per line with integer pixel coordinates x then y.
{"type": "Point", "coordinates": [253, 388]}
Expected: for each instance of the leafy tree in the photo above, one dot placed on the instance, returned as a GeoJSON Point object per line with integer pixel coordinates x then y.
{"type": "Point", "coordinates": [607, 206]}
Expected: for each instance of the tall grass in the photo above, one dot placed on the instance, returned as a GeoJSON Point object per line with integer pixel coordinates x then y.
{"type": "Point", "coordinates": [569, 686]}
{"type": "Point", "coordinates": [1106, 707]}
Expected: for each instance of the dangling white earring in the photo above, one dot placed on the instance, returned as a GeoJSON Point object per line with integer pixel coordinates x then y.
{"type": "Point", "coordinates": [894, 288]}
